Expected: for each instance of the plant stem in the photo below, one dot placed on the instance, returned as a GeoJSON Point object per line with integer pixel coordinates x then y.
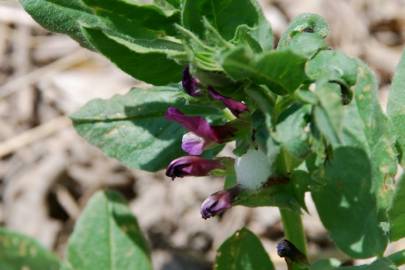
{"type": "Point", "coordinates": [294, 231]}
{"type": "Point", "coordinates": [398, 258]}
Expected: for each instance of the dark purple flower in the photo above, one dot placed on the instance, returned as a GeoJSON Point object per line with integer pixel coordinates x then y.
{"type": "Point", "coordinates": [218, 202]}
{"type": "Point", "coordinates": [287, 250]}
{"type": "Point", "coordinates": [190, 84]}
{"type": "Point", "coordinates": [195, 124]}
{"type": "Point", "coordinates": [234, 106]}
{"type": "Point", "coordinates": [201, 134]}
{"type": "Point", "coordinates": [192, 166]}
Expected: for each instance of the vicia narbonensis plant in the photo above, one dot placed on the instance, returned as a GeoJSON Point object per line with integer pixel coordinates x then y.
{"type": "Point", "coordinates": [303, 117]}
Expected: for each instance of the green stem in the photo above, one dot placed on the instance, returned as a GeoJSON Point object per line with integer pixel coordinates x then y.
{"type": "Point", "coordinates": [398, 258]}
{"type": "Point", "coordinates": [294, 231]}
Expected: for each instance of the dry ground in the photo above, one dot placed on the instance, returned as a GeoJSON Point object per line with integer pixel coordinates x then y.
{"type": "Point", "coordinates": [47, 172]}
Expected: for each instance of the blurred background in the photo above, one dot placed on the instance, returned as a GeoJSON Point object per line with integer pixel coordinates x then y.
{"type": "Point", "coordinates": [47, 172]}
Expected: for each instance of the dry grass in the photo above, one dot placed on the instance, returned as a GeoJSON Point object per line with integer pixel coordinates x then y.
{"type": "Point", "coordinates": [47, 172]}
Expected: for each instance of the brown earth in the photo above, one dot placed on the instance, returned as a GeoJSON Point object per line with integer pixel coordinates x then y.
{"type": "Point", "coordinates": [47, 172]}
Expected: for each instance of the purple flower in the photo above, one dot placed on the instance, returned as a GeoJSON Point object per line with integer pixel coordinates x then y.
{"type": "Point", "coordinates": [190, 84]}
{"type": "Point", "coordinates": [218, 202]}
{"type": "Point", "coordinates": [287, 250]}
{"type": "Point", "coordinates": [192, 166]}
{"type": "Point", "coordinates": [193, 144]}
{"type": "Point", "coordinates": [195, 124]}
{"type": "Point", "coordinates": [201, 134]}
{"type": "Point", "coordinates": [234, 106]}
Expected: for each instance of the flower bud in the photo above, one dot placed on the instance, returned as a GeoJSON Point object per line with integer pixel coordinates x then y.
{"type": "Point", "coordinates": [218, 202]}
{"type": "Point", "coordinates": [190, 84]}
{"type": "Point", "coordinates": [192, 166]}
{"type": "Point", "coordinates": [234, 106]}
{"type": "Point", "coordinates": [287, 250]}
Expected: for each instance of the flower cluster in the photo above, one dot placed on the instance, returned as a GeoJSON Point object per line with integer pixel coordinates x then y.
{"type": "Point", "coordinates": [202, 135]}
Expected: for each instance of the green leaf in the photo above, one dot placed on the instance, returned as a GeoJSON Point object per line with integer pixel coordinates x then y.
{"type": "Point", "coordinates": [67, 16]}
{"type": "Point", "coordinates": [379, 135]}
{"type": "Point", "coordinates": [281, 192]}
{"type": "Point", "coordinates": [333, 66]}
{"type": "Point", "coordinates": [380, 264]}
{"type": "Point", "coordinates": [281, 71]}
{"type": "Point", "coordinates": [22, 252]}
{"type": "Point", "coordinates": [332, 264]}
{"type": "Point", "coordinates": [307, 44]}
{"type": "Point", "coordinates": [156, 68]}
{"type": "Point", "coordinates": [226, 17]}
{"type": "Point", "coordinates": [107, 237]}
{"type": "Point", "coordinates": [285, 141]}
{"type": "Point", "coordinates": [62, 16]}
{"type": "Point", "coordinates": [243, 36]}
{"type": "Point", "coordinates": [396, 105]}
{"type": "Point", "coordinates": [174, 3]}
{"type": "Point", "coordinates": [135, 37]}
{"type": "Point", "coordinates": [132, 127]}
{"type": "Point", "coordinates": [396, 212]}
{"type": "Point", "coordinates": [243, 251]}
{"type": "Point", "coordinates": [259, 38]}
{"type": "Point", "coordinates": [353, 129]}
{"type": "Point", "coordinates": [149, 15]}
{"type": "Point", "coordinates": [328, 264]}
{"type": "Point", "coordinates": [328, 114]}
{"type": "Point", "coordinates": [304, 23]}
{"type": "Point", "coordinates": [290, 131]}
{"type": "Point", "coordinates": [347, 205]}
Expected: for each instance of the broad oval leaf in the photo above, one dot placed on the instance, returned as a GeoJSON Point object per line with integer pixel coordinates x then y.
{"type": "Point", "coordinates": [244, 251]}
{"type": "Point", "coordinates": [149, 15]}
{"type": "Point", "coordinates": [22, 252]}
{"type": "Point", "coordinates": [152, 66]}
{"type": "Point", "coordinates": [137, 38]}
{"type": "Point", "coordinates": [66, 18]}
{"type": "Point", "coordinates": [107, 237]}
{"type": "Point", "coordinates": [347, 205]}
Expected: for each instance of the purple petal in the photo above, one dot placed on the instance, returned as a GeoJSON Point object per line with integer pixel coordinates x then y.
{"type": "Point", "coordinates": [190, 84]}
{"type": "Point", "coordinates": [234, 106]}
{"type": "Point", "coordinates": [195, 124]}
{"type": "Point", "coordinates": [218, 202]}
{"type": "Point", "coordinates": [191, 166]}
{"type": "Point", "coordinates": [193, 144]}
